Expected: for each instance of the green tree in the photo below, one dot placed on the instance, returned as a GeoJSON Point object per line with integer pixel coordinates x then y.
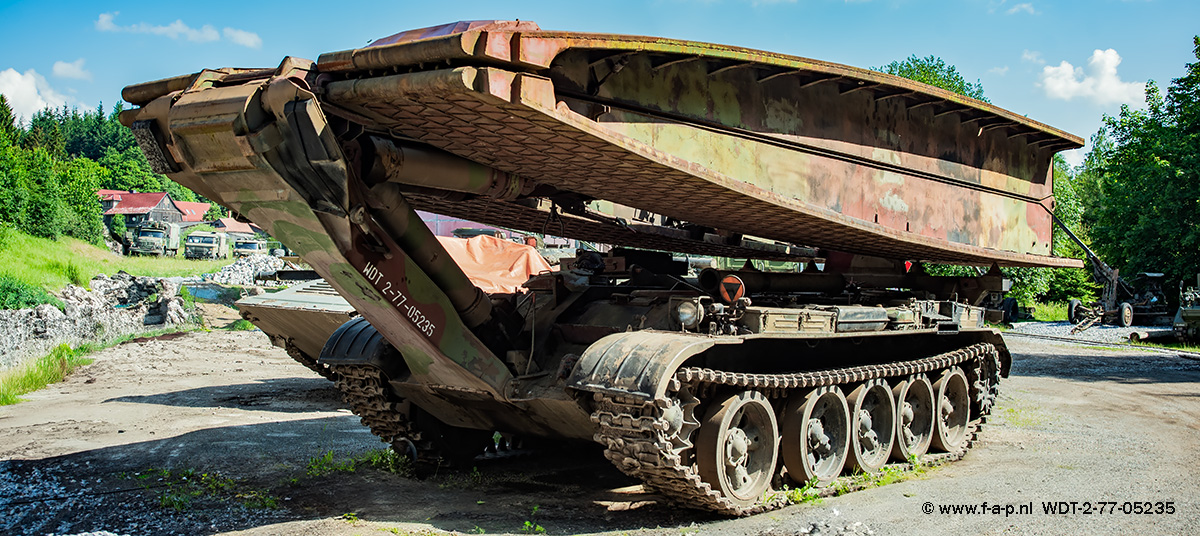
{"type": "Point", "coordinates": [934, 71]}
{"type": "Point", "coordinates": [116, 225]}
{"type": "Point", "coordinates": [80, 179]}
{"type": "Point", "coordinates": [9, 133]}
{"type": "Point", "coordinates": [1144, 212]}
{"type": "Point", "coordinates": [45, 214]}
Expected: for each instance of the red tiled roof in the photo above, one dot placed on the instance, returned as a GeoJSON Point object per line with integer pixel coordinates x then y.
{"type": "Point", "coordinates": [231, 225]}
{"type": "Point", "coordinates": [192, 211]}
{"type": "Point", "coordinates": [139, 203]}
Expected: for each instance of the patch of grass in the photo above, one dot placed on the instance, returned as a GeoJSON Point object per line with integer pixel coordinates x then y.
{"type": "Point", "coordinates": [52, 264]}
{"type": "Point", "coordinates": [44, 371]}
{"type": "Point", "coordinates": [325, 464]}
{"type": "Point", "coordinates": [471, 480]}
{"type": "Point", "coordinates": [1021, 417]}
{"type": "Point", "coordinates": [889, 474]}
{"type": "Point", "coordinates": [350, 517]}
{"type": "Point", "coordinates": [803, 494]}
{"type": "Point", "coordinates": [1050, 312]}
{"type": "Point", "coordinates": [183, 487]}
{"type": "Point", "coordinates": [52, 368]}
{"type": "Point", "coordinates": [386, 460]}
{"type": "Point", "coordinates": [242, 325]}
{"type": "Point", "coordinates": [17, 294]}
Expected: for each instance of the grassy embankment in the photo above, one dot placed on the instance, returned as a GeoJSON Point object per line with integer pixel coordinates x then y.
{"type": "Point", "coordinates": [52, 264]}
{"type": "Point", "coordinates": [31, 266]}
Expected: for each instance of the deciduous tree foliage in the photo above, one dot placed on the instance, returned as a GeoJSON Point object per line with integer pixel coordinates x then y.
{"type": "Point", "coordinates": [934, 71]}
{"type": "Point", "coordinates": [1029, 284]}
{"type": "Point", "coordinates": [50, 170]}
{"type": "Point", "coordinates": [1143, 188]}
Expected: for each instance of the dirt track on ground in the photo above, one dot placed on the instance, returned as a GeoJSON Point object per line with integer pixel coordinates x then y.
{"type": "Point", "coordinates": [1073, 424]}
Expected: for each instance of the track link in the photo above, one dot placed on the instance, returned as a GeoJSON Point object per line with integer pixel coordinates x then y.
{"type": "Point", "coordinates": [311, 364]}
{"type": "Point", "coordinates": [635, 432]}
{"type": "Point", "coordinates": [386, 414]}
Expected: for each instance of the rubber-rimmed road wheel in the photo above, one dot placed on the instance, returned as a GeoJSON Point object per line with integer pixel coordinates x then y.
{"type": "Point", "coordinates": [872, 425]}
{"type": "Point", "coordinates": [953, 411]}
{"type": "Point", "coordinates": [816, 435]}
{"type": "Point", "coordinates": [1126, 316]}
{"type": "Point", "coordinates": [914, 417]}
{"type": "Point", "coordinates": [737, 447]}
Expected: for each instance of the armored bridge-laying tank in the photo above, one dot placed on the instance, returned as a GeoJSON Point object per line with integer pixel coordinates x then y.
{"type": "Point", "coordinates": [712, 390]}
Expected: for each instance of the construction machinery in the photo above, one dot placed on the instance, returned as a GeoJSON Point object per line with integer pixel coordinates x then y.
{"type": "Point", "coordinates": [711, 389]}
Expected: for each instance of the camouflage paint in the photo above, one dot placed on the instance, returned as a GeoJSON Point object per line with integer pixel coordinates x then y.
{"type": "Point", "coordinates": [908, 170]}
{"type": "Point", "coordinates": [246, 172]}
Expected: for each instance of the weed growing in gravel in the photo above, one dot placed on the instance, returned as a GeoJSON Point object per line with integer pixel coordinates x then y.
{"type": "Point", "coordinates": [530, 526]}
{"type": "Point", "coordinates": [49, 369]}
{"type": "Point", "coordinates": [806, 493]}
{"type": "Point", "coordinates": [350, 517]}
{"type": "Point", "coordinates": [325, 464]}
{"type": "Point", "coordinates": [386, 460]}
{"type": "Point", "coordinates": [471, 480]}
{"type": "Point", "coordinates": [182, 487]}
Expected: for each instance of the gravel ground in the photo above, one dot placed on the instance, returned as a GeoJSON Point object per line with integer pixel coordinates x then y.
{"type": "Point", "coordinates": [1097, 333]}
{"type": "Point", "coordinates": [1073, 424]}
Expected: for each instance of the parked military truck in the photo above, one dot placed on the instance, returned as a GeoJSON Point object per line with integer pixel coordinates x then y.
{"type": "Point", "coordinates": [1187, 319]}
{"type": "Point", "coordinates": [154, 238]}
{"type": "Point", "coordinates": [711, 390]}
{"type": "Point", "coordinates": [206, 245]}
{"type": "Point", "coordinates": [249, 246]}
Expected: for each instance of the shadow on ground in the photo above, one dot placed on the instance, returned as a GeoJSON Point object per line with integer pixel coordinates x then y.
{"type": "Point", "coordinates": [564, 487]}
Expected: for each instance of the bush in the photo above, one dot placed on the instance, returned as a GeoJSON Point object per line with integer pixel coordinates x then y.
{"type": "Point", "coordinates": [15, 294]}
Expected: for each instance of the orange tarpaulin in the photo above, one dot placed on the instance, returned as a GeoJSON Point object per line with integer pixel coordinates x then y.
{"type": "Point", "coordinates": [495, 265]}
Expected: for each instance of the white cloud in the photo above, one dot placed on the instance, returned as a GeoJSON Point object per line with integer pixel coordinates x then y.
{"type": "Point", "coordinates": [1026, 7]}
{"type": "Point", "coordinates": [244, 38]}
{"type": "Point", "coordinates": [29, 92]}
{"type": "Point", "coordinates": [1033, 56]}
{"type": "Point", "coordinates": [74, 70]}
{"type": "Point", "coordinates": [179, 30]}
{"type": "Point", "coordinates": [1101, 84]}
{"type": "Point", "coordinates": [999, 70]}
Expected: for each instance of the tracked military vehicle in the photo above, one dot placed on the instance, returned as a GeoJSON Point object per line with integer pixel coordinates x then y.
{"type": "Point", "coordinates": [712, 389]}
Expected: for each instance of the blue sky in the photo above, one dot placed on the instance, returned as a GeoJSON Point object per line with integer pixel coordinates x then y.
{"type": "Point", "coordinates": [1064, 63]}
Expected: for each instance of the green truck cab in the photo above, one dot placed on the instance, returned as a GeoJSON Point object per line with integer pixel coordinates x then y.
{"type": "Point", "coordinates": [206, 245]}
{"type": "Point", "coordinates": [154, 238]}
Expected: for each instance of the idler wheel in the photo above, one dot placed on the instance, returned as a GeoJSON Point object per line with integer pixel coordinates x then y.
{"type": "Point", "coordinates": [914, 417]}
{"type": "Point", "coordinates": [872, 425]}
{"type": "Point", "coordinates": [953, 411]}
{"type": "Point", "coordinates": [736, 448]}
{"type": "Point", "coordinates": [816, 435]}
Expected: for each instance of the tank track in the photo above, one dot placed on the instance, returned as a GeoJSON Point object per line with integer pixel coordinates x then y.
{"type": "Point", "coordinates": [363, 388]}
{"type": "Point", "coordinates": [634, 430]}
{"type": "Point", "coordinates": [311, 364]}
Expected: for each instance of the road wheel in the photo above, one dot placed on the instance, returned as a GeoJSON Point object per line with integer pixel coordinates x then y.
{"type": "Point", "coordinates": [1126, 317]}
{"type": "Point", "coordinates": [816, 435]}
{"type": "Point", "coordinates": [914, 417]}
{"type": "Point", "coordinates": [872, 425]}
{"type": "Point", "coordinates": [953, 411]}
{"type": "Point", "coordinates": [1074, 311]}
{"type": "Point", "coordinates": [737, 447]}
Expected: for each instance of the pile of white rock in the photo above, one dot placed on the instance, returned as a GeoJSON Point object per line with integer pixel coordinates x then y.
{"type": "Point", "coordinates": [114, 306]}
{"type": "Point", "coordinates": [243, 271]}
